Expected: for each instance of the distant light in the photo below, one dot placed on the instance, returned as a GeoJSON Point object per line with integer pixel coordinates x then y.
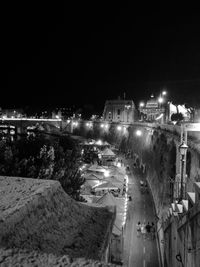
{"type": "Point", "coordinates": [68, 121]}
{"type": "Point", "coordinates": [89, 124]}
{"type": "Point", "coordinates": [138, 132]}
{"type": "Point", "coordinates": [106, 173]}
{"type": "Point", "coordinates": [142, 104]}
{"type": "Point", "coordinates": [57, 116]}
{"type": "Point", "coordinates": [106, 126]}
{"type": "Point", "coordinates": [102, 125]}
{"type": "Point", "coordinates": [160, 100]}
{"type": "Point", "coordinates": [164, 93]}
{"type": "Point", "coordinates": [28, 119]}
{"type": "Point", "coordinates": [99, 142]}
{"type": "Point", "coordinates": [118, 164]}
{"type": "Point", "coordinates": [119, 128]}
{"type": "Point", "coordinates": [75, 123]}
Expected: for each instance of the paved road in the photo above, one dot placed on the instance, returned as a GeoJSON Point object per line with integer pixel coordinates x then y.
{"type": "Point", "coordinates": [138, 251]}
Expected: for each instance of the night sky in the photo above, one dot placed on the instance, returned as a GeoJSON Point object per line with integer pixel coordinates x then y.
{"type": "Point", "coordinates": [83, 55]}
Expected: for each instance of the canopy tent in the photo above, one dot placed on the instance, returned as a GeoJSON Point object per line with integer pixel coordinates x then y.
{"type": "Point", "coordinates": [106, 143]}
{"type": "Point", "coordinates": [120, 204]}
{"type": "Point", "coordinates": [93, 176]}
{"type": "Point", "coordinates": [115, 181]}
{"type": "Point", "coordinates": [101, 143]}
{"type": "Point", "coordinates": [88, 142]}
{"type": "Point", "coordinates": [108, 153]}
{"type": "Point", "coordinates": [117, 174]}
{"type": "Point", "coordinates": [98, 169]}
{"type": "Point", "coordinates": [105, 186]}
{"type": "Point", "coordinates": [107, 199]}
{"type": "Point", "coordinates": [91, 183]}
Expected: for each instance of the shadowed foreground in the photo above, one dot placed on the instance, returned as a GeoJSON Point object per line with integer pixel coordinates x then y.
{"type": "Point", "coordinates": [38, 215]}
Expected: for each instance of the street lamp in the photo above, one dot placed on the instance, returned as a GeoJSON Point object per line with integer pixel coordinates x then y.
{"type": "Point", "coordinates": [160, 100]}
{"type": "Point", "coordinates": [183, 150]}
{"type": "Point", "coordinates": [119, 128]}
{"type": "Point", "coordinates": [138, 132]}
{"type": "Point", "coordinates": [141, 104]}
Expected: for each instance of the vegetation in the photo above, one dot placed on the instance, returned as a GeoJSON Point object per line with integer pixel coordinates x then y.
{"type": "Point", "coordinates": [55, 158]}
{"type": "Point", "coordinates": [177, 117]}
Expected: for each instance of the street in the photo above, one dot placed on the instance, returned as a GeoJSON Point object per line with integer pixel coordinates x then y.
{"type": "Point", "coordinates": [138, 251]}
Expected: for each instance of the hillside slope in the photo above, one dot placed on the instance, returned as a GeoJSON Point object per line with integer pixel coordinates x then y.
{"type": "Point", "coordinates": [39, 215]}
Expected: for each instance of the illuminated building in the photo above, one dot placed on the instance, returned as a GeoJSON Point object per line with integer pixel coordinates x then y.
{"type": "Point", "coordinates": [153, 111]}
{"type": "Point", "coordinates": [119, 111]}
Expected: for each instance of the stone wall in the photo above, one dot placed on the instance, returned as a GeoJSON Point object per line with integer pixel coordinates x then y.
{"type": "Point", "coordinates": [39, 215]}
{"type": "Point", "coordinates": [26, 258]}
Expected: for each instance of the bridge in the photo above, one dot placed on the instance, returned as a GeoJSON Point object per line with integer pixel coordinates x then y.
{"type": "Point", "coordinates": [22, 125]}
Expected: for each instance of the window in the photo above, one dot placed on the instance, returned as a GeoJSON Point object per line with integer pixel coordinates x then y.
{"type": "Point", "coordinates": [118, 112]}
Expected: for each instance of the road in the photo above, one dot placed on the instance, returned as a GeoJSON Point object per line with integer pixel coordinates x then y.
{"type": "Point", "coordinates": [138, 251]}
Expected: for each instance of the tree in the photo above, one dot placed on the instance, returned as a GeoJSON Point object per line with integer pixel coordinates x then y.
{"type": "Point", "coordinates": [177, 117]}
{"type": "Point", "coordinates": [47, 157]}
{"type": "Point", "coordinates": [36, 157]}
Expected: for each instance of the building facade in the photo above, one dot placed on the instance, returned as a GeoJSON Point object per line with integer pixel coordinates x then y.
{"type": "Point", "coordinates": [119, 111]}
{"type": "Point", "coordinates": [152, 111]}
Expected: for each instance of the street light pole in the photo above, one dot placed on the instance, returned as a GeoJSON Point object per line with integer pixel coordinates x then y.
{"type": "Point", "coordinates": [182, 169]}
{"type": "Point", "coordinates": [183, 150]}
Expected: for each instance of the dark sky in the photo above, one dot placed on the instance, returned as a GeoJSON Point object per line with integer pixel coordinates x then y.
{"type": "Point", "coordinates": [74, 55]}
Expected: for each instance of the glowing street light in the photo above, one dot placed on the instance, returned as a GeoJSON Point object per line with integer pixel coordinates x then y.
{"type": "Point", "coordinates": [138, 132]}
{"type": "Point", "coordinates": [106, 173]}
{"type": "Point", "coordinates": [164, 92]}
{"type": "Point", "coordinates": [119, 128]}
{"type": "Point", "coordinates": [141, 104]}
{"type": "Point", "coordinates": [160, 100]}
{"type": "Point", "coordinates": [124, 129]}
{"type": "Point", "coordinates": [89, 124]}
{"type": "Point", "coordinates": [183, 150]}
{"type": "Point", "coordinates": [75, 123]}
{"type": "Point", "coordinates": [99, 142]}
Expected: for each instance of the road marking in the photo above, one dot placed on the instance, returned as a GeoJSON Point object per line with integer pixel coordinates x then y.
{"type": "Point", "coordinates": [144, 250]}
{"type": "Point", "coordinates": [144, 263]}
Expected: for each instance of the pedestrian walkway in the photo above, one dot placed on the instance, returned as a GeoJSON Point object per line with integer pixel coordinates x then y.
{"type": "Point", "coordinates": [140, 248]}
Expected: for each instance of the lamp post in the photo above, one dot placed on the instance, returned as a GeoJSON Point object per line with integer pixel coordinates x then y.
{"type": "Point", "coordinates": [183, 150]}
